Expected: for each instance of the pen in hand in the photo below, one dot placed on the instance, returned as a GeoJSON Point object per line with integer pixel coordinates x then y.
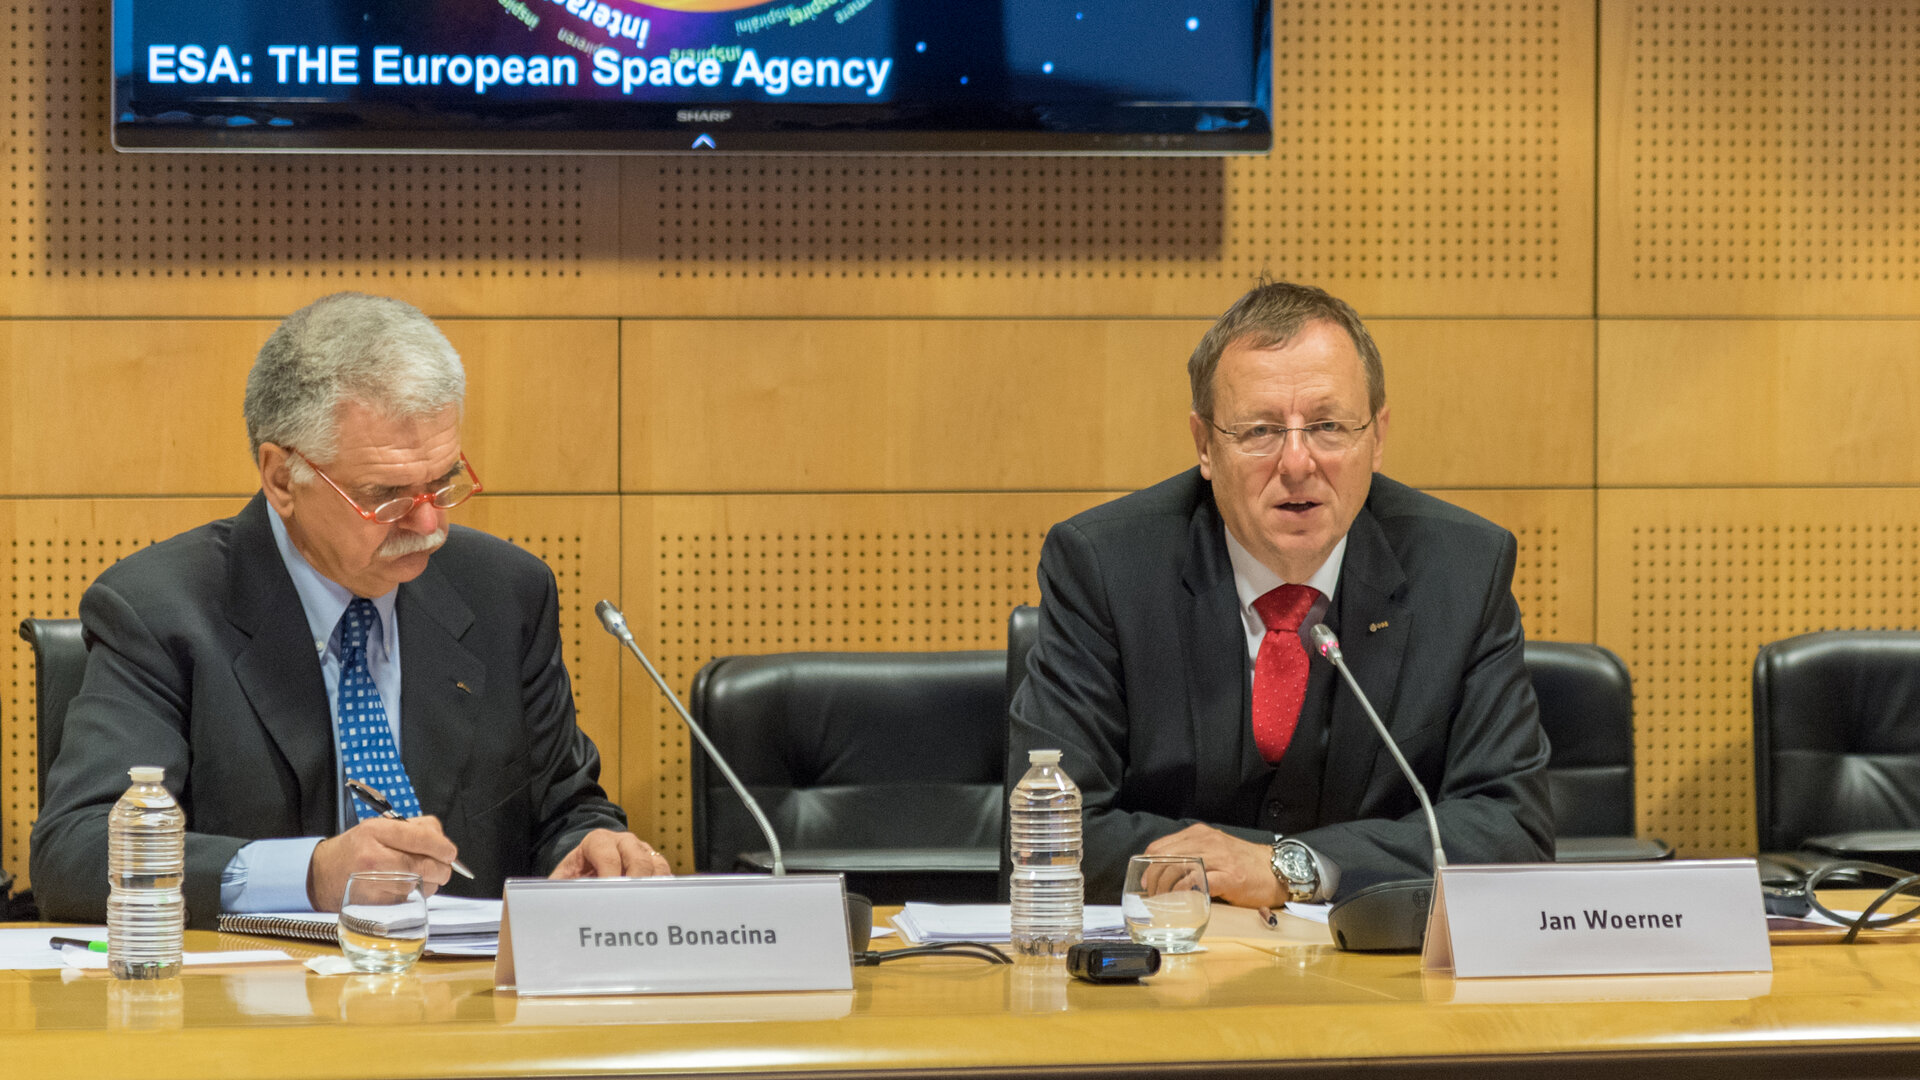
{"type": "Point", "coordinates": [379, 802]}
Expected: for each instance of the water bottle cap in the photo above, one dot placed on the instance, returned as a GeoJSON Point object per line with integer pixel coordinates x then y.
{"type": "Point", "coordinates": [1043, 757]}
{"type": "Point", "coordinates": [147, 774]}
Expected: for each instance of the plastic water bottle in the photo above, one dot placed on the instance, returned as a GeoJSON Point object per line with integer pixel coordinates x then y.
{"type": "Point", "coordinates": [146, 859]}
{"type": "Point", "coordinates": [1047, 888]}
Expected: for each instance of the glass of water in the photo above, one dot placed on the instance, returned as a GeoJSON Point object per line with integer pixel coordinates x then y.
{"type": "Point", "coordinates": [1165, 901]}
{"type": "Point", "coordinates": [383, 920]}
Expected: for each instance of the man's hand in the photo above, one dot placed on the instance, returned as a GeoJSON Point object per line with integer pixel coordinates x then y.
{"type": "Point", "coordinates": [416, 846]}
{"type": "Point", "coordinates": [605, 853]}
{"type": "Point", "coordinates": [1238, 871]}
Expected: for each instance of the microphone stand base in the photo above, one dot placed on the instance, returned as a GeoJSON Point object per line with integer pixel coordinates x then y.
{"type": "Point", "coordinates": [1388, 917]}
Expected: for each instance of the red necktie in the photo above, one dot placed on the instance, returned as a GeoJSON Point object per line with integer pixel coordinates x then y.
{"type": "Point", "coordinates": [1280, 668]}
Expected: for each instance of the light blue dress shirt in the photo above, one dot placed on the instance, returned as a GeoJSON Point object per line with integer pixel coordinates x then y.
{"type": "Point", "coordinates": [271, 875]}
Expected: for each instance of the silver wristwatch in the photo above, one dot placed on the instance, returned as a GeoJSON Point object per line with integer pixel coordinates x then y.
{"type": "Point", "coordinates": [1295, 868]}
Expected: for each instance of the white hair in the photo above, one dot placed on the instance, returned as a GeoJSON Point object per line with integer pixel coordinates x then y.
{"type": "Point", "coordinates": [347, 348]}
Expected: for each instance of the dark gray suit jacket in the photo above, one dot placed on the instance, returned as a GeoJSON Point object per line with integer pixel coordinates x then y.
{"type": "Point", "coordinates": [202, 662]}
{"type": "Point", "coordinates": [1140, 675]}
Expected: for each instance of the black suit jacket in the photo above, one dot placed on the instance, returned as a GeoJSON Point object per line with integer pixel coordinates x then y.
{"type": "Point", "coordinates": [202, 662]}
{"type": "Point", "coordinates": [1140, 674]}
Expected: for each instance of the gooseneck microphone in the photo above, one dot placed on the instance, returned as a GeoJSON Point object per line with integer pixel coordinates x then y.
{"type": "Point", "coordinates": [616, 625]}
{"type": "Point", "coordinates": [1329, 647]}
{"type": "Point", "coordinates": [1390, 916]}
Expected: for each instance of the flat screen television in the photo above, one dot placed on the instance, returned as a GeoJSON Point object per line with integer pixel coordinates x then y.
{"type": "Point", "coordinates": [694, 76]}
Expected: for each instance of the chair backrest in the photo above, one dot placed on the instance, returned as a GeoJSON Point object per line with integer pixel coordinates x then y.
{"type": "Point", "coordinates": [59, 662]}
{"type": "Point", "coordinates": [870, 750]}
{"type": "Point", "coordinates": [1836, 740]}
{"type": "Point", "coordinates": [1022, 627]}
{"type": "Point", "coordinates": [1586, 707]}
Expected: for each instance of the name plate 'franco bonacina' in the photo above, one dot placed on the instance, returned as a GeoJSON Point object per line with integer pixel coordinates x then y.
{"type": "Point", "coordinates": [675, 936]}
{"type": "Point", "coordinates": [686, 935]}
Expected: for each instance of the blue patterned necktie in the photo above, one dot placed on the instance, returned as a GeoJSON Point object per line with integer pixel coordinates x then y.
{"type": "Point", "coordinates": [367, 750]}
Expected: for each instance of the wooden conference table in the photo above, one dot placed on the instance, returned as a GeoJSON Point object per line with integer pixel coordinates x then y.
{"type": "Point", "coordinates": [1255, 1003]}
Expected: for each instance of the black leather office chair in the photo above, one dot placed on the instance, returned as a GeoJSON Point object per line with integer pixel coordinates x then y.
{"type": "Point", "coordinates": [59, 661]}
{"type": "Point", "coordinates": [1586, 707]}
{"type": "Point", "coordinates": [883, 766]}
{"type": "Point", "coordinates": [1836, 748]}
{"type": "Point", "coordinates": [1022, 627]}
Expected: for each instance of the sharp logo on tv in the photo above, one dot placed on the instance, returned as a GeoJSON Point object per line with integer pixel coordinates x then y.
{"type": "Point", "coordinates": [859, 76]}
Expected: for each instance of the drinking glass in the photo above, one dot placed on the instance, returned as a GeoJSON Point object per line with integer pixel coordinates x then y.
{"type": "Point", "coordinates": [383, 920]}
{"type": "Point", "coordinates": [1165, 901]}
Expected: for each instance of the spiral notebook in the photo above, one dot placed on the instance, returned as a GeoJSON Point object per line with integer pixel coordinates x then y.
{"type": "Point", "coordinates": [456, 925]}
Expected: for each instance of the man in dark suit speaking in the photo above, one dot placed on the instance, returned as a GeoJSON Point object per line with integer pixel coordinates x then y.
{"type": "Point", "coordinates": [1171, 665]}
{"type": "Point", "coordinates": [336, 629]}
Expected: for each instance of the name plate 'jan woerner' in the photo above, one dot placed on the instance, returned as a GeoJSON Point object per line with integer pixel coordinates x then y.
{"type": "Point", "coordinates": [718, 934]}
{"type": "Point", "coordinates": [1599, 919]}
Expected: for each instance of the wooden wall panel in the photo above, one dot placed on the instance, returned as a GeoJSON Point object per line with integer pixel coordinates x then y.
{"type": "Point", "coordinates": [1482, 403]}
{"type": "Point", "coordinates": [720, 575]}
{"type": "Point", "coordinates": [836, 405]}
{"type": "Point", "coordinates": [152, 407]}
{"type": "Point", "coordinates": [543, 403]}
{"type": "Point", "coordinates": [813, 405]}
{"type": "Point", "coordinates": [1757, 158]}
{"type": "Point", "coordinates": [1719, 402]}
{"type": "Point", "coordinates": [1694, 582]}
{"type": "Point", "coordinates": [1553, 577]}
{"type": "Point", "coordinates": [125, 408]}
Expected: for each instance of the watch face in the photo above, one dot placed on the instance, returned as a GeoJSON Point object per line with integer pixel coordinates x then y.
{"type": "Point", "coordinates": [1296, 864]}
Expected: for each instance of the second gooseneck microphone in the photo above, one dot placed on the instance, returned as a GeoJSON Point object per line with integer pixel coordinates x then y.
{"type": "Point", "coordinates": [616, 625]}
{"type": "Point", "coordinates": [1329, 646]}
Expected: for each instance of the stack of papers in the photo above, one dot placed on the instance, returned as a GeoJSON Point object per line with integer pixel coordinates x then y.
{"type": "Point", "coordinates": [462, 926]}
{"type": "Point", "coordinates": [993, 923]}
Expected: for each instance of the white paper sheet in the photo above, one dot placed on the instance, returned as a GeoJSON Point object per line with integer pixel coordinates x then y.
{"type": "Point", "coordinates": [993, 923]}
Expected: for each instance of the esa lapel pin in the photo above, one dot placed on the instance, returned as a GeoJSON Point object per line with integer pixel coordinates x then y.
{"type": "Point", "coordinates": [1376, 627]}
{"type": "Point", "coordinates": [464, 688]}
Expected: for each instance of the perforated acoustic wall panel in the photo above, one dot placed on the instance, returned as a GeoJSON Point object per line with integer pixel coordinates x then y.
{"type": "Point", "coordinates": [778, 573]}
{"type": "Point", "coordinates": [1760, 158]}
{"type": "Point", "coordinates": [55, 548]}
{"type": "Point", "coordinates": [1701, 580]}
{"type": "Point", "coordinates": [1552, 576]}
{"type": "Point", "coordinates": [734, 574]}
{"type": "Point", "coordinates": [90, 229]}
{"type": "Point", "coordinates": [1428, 158]}
{"type": "Point", "coordinates": [1461, 161]}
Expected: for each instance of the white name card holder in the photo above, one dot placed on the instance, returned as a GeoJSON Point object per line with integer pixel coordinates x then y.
{"type": "Point", "coordinates": [1635, 918]}
{"type": "Point", "coordinates": [685, 935]}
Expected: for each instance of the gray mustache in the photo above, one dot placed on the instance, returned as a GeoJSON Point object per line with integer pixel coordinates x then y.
{"type": "Point", "coordinates": [409, 543]}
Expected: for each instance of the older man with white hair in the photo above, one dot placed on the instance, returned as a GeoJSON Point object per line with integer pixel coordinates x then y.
{"type": "Point", "coordinates": [336, 629]}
